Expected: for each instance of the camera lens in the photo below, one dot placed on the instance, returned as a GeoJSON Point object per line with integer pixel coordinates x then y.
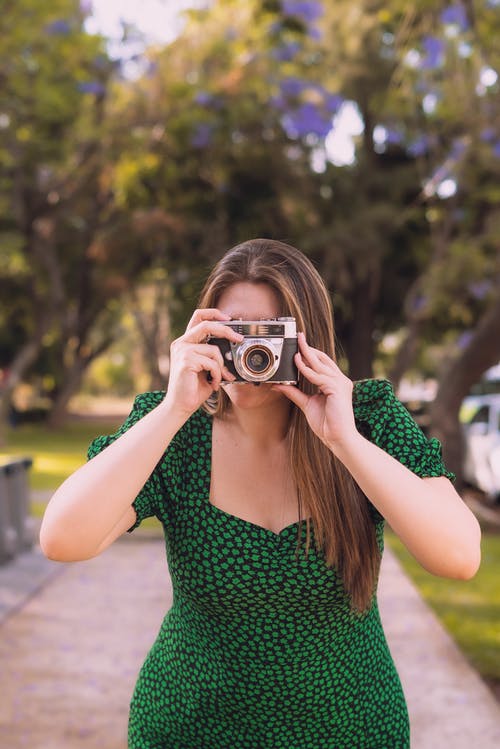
{"type": "Point", "coordinates": [257, 360]}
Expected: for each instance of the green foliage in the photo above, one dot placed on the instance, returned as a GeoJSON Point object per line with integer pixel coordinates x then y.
{"type": "Point", "coordinates": [224, 137]}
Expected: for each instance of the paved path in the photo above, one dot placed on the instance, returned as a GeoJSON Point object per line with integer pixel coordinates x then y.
{"type": "Point", "coordinates": [70, 655]}
{"type": "Point", "coordinates": [450, 706]}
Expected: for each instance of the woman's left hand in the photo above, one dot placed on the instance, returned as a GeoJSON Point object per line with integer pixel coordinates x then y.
{"type": "Point", "coordinates": [329, 412]}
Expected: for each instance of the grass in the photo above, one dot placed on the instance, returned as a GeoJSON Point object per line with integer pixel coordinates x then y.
{"type": "Point", "coordinates": [55, 454]}
{"type": "Point", "coordinates": [470, 610]}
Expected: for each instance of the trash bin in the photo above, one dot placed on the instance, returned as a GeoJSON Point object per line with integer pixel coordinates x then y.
{"type": "Point", "coordinates": [19, 528]}
{"type": "Point", "coordinates": [8, 534]}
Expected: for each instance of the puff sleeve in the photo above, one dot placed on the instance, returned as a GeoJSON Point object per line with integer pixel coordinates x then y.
{"type": "Point", "coordinates": [383, 419]}
{"type": "Point", "coordinates": [146, 504]}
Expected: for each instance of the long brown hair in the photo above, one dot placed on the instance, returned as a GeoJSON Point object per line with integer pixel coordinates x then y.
{"type": "Point", "coordinates": [343, 527]}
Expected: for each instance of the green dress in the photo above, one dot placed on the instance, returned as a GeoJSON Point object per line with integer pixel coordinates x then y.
{"type": "Point", "coordinates": [260, 649]}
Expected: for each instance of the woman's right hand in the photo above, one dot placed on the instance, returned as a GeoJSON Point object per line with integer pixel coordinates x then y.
{"type": "Point", "coordinates": [192, 359]}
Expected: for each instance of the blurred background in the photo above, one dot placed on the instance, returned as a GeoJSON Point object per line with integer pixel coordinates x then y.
{"type": "Point", "coordinates": [140, 140]}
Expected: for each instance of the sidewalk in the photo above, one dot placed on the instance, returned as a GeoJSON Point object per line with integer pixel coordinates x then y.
{"type": "Point", "coordinates": [449, 704]}
{"type": "Point", "coordinates": [70, 655]}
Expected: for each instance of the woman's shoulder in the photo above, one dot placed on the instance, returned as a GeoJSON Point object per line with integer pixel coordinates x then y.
{"type": "Point", "coordinates": [382, 418]}
{"type": "Point", "coordinates": [371, 397]}
{"type": "Point", "coordinates": [145, 402]}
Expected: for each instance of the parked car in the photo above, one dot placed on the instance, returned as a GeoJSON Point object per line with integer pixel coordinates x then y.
{"type": "Point", "coordinates": [489, 384]}
{"type": "Point", "coordinates": [481, 423]}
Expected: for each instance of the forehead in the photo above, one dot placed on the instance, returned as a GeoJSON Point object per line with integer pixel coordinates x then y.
{"type": "Point", "coordinates": [249, 301]}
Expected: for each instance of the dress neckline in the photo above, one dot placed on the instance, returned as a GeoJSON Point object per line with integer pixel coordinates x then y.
{"type": "Point", "coordinates": [229, 516]}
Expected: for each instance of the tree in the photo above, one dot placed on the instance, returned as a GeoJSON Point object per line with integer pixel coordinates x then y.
{"type": "Point", "coordinates": [481, 352]}
{"type": "Point", "coordinates": [39, 103]}
{"type": "Point", "coordinates": [76, 250]}
{"type": "Point", "coordinates": [241, 105]}
{"type": "Point", "coordinates": [454, 62]}
{"type": "Point", "coordinates": [226, 136]}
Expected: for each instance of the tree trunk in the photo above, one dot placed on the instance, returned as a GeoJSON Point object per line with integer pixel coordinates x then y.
{"type": "Point", "coordinates": [71, 383]}
{"type": "Point", "coordinates": [23, 360]}
{"type": "Point", "coordinates": [359, 344]}
{"type": "Point", "coordinates": [154, 329]}
{"type": "Point", "coordinates": [59, 412]}
{"type": "Point", "coordinates": [482, 352]}
{"type": "Point", "coordinates": [416, 304]}
{"type": "Point", "coordinates": [406, 353]}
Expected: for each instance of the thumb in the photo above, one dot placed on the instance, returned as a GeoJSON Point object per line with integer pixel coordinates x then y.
{"type": "Point", "coordinates": [294, 394]}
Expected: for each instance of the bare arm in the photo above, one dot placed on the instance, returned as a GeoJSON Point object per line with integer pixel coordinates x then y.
{"type": "Point", "coordinates": [427, 513]}
{"type": "Point", "coordinates": [94, 505]}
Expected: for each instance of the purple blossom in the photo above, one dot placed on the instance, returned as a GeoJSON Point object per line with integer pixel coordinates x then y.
{"type": "Point", "coordinates": [419, 146]}
{"type": "Point", "coordinates": [393, 136]}
{"type": "Point", "coordinates": [480, 289]}
{"type": "Point", "coordinates": [458, 148]}
{"type": "Point", "coordinates": [306, 11]}
{"type": "Point", "coordinates": [496, 149]}
{"type": "Point", "coordinates": [333, 102]}
{"type": "Point", "coordinates": [315, 33]}
{"type": "Point", "coordinates": [61, 27]}
{"type": "Point", "coordinates": [419, 303]}
{"type": "Point", "coordinates": [455, 15]}
{"type": "Point", "coordinates": [488, 134]}
{"type": "Point", "coordinates": [202, 136]}
{"type": "Point", "coordinates": [203, 98]}
{"type": "Point", "coordinates": [464, 339]}
{"type": "Point", "coordinates": [286, 52]}
{"type": "Point", "coordinates": [293, 86]}
{"type": "Point", "coordinates": [86, 6]}
{"type": "Point", "coordinates": [91, 87]}
{"type": "Point", "coordinates": [278, 102]}
{"type": "Point", "coordinates": [307, 120]}
{"type": "Point", "coordinates": [434, 52]}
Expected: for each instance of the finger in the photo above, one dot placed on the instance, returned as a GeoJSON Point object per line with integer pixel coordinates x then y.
{"type": "Point", "coordinates": [199, 333]}
{"type": "Point", "coordinates": [331, 363]}
{"type": "Point", "coordinates": [314, 357]}
{"type": "Point", "coordinates": [317, 378]}
{"type": "Point", "coordinates": [207, 364]}
{"type": "Point", "coordinates": [213, 352]}
{"type": "Point", "coordinates": [209, 313]}
{"type": "Point", "coordinates": [208, 349]}
{"type": "Point", "coordinates": [294, 394]}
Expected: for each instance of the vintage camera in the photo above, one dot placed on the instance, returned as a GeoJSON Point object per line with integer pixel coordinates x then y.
{"type": "Point", "coordinates": [267, 352]}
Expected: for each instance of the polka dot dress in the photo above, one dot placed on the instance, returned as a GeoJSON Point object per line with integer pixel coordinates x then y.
{"type": "Point", "coordinates": [260, 649]}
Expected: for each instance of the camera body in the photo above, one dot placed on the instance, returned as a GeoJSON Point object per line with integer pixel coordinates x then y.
{"type": "Point", "coordinates": [267, 352]}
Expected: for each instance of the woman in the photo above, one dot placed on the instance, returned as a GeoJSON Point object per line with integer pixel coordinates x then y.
{"type": "Point", "coordinates": [273, 499]}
